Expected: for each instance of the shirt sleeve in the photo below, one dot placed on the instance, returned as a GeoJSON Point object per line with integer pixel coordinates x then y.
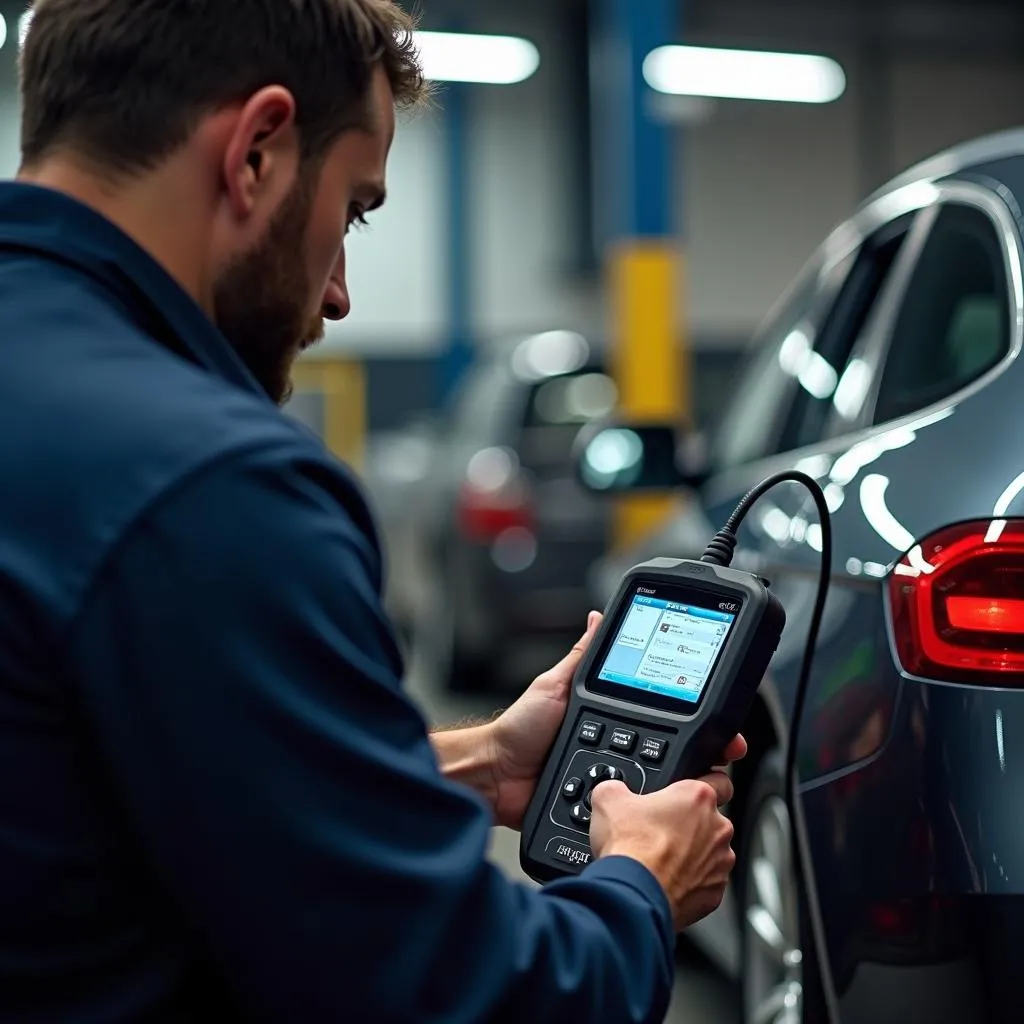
{"type": "Point", "coordinates": [241, 682]}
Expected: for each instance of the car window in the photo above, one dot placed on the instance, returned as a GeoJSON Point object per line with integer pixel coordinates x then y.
{"type": "Point", "coordinates": [811, 415]}
{"type": "Point", "coordinates": [555, 412]}
{"type": "Point", "coordinates": [954, 322]}
{"type": "Point", "coordinates": [744, 431]}
{"type": "Point", "coordinates": [783, 354]}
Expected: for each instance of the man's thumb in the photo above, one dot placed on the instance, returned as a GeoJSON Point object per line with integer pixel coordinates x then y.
{"type": "Point", "coordinates": [570, 662]}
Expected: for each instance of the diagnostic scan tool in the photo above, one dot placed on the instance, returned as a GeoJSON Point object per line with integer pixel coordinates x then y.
{"type": "Point", "coordinates": [665, 685]}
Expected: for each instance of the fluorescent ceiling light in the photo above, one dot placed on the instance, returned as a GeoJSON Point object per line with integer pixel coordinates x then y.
{"type": "Point", "coordinates": [3, 31]}
{"type": "Point", "coordinates": [744, 74]}
{"type": "Point", "coordinates": [485, 60]}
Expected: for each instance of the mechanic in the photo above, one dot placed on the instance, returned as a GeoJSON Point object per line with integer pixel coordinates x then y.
{"type": "Point", "coordinates": [216, 803]}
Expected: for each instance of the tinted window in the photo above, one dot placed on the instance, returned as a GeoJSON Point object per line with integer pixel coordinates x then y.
{"type": "Point", "coordinates": [954, 323]}
{"type": "Point", "coordinates": [556, 410]}
{"type": "Point", "coordinates": [750, 427]}
{"type": "Point", "coordinates": [840, 333]}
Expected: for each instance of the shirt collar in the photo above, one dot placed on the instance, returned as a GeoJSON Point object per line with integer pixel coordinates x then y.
{"type": "Point", "coordinates": [58, 227]}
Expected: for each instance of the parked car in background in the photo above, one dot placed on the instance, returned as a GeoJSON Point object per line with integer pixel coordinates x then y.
{"type": "Point", "coordinates": [396, 465]}
{"type": "Point", "coordinates": [890, 372]}
{"type": "Point", "coordinates": [487, 563]}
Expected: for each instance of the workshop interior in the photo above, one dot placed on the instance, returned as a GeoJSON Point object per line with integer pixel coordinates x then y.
{"type": "Point", "coordinates": [638, 258]}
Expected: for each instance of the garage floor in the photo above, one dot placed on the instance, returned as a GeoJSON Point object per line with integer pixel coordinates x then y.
{"type": "Point", "coordinates": [701, 996]}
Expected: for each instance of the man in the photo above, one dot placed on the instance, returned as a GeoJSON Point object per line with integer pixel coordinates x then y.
{"type": "Point", "coordinates": [216, 803]}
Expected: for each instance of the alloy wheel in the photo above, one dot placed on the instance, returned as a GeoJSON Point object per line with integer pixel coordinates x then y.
{"type": "Point", "coordinates": [772, 978]}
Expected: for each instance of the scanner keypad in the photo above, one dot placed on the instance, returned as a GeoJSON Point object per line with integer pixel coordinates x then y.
{"type": "Point", "coordinates": [606, 749]}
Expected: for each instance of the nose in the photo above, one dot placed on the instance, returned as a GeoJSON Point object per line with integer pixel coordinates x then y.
{"type": "Point", "coordinates": [336, 305]}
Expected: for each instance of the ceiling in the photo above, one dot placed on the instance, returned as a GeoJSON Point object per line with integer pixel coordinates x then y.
{"type": "Point", "coordinates": [984, 28]}
{"type": "Point", "coordinates": [927, 26]}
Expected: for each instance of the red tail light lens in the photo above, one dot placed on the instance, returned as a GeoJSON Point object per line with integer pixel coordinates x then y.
{"type": "Point", "coordinates": [487, 516]}
{"type": "Point", "coordinates": [957, 603]}
{"type": "Point", "coordinates": [495, 496]}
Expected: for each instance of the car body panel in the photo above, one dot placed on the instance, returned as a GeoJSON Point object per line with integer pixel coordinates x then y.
{"type": "Point", "coordinates": [909, 788]}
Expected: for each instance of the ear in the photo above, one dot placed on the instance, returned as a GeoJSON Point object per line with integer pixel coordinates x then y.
{"type": "Point", "coordinates": [261, 160]}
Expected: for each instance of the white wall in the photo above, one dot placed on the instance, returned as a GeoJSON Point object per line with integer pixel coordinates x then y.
{"type": "Point", "coordinates": [759, 186]}
{"type": "Point", "coordinates": [9, 95]}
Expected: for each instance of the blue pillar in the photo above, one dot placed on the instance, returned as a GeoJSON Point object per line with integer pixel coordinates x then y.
{"type": "Point", "coordinates": [635, 190]}
{"type": "Point", "coordinates": [458, 353]}
{"type": "Point", "coordinates": [632, 150]}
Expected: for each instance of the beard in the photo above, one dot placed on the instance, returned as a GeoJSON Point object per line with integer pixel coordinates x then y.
{"type": "Point", "coordinates": [261, 302]}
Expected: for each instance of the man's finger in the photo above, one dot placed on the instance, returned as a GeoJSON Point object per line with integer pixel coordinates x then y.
{"type": "Point", "coordinates": [607, 790]}
{"type": "Point", "coordinates": [735, 751]}
{"type": "Point", "coordinates": [722, 785]}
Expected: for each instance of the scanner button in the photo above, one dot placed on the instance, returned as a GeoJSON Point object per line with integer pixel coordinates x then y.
{"type": "Point", "coordinates": [653, 749]}
{"type": "Point", "coordinates": [623, 740]}
{"type": "Point", "coordinates": [597, 774]}
{"type": "Point", "coordinates": [590, 733]}
{"type": "Point", "coordinates": [571, 790]}
{"type": "Point", "coordinates": [580, 815]}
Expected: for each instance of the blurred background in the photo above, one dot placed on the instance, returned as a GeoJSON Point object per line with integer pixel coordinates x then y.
{"type": "Point", "coordinates": [606, 200]}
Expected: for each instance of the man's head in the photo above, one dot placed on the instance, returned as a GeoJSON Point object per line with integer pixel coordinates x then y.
{"type": "Point", "coordinates": [238, 141]}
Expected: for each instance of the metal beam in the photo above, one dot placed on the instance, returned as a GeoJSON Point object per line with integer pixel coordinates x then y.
{"type": "Point", "coordinates": [459, 350]}
{"type": "Point", "coordinates": [634, 204]}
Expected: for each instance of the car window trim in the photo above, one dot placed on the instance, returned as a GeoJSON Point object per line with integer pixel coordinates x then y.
{"type": "Point", "coordinates": [849, 236]}
{"type": "Point", "coordinates": [821, 269]}
{"type": "Point", "coordinates": [872, 345]}
{"type": "Point", "coordinates": [988, 202]}
{"type": "Point", "coordinates": [830, 329]}
{"type": "Point", "coordinates": [721, 486]}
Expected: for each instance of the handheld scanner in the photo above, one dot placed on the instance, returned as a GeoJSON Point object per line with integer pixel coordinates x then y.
{"type": "Point", "coordinates": [667, 682]}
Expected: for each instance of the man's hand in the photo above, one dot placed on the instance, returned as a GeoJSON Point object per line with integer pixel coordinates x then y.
{"type": "Point", "coordinates": [677, 833]}
{"type": "Point", "coordinates": [521, 738]}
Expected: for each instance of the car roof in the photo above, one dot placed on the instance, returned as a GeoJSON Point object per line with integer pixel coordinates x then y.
{"type": "Point", "coordinates": [959, 159]}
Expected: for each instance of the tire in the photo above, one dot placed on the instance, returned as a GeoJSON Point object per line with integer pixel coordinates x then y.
{"type": "Point", "coordinates": [779, 980]}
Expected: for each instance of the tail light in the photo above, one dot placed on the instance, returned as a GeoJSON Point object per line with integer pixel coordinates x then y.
{"type": "Point", "coordinates": [495, 496]}
{"type": "Point", "coordinates": [957, 603]}
{"type": "Point", "coordinates": [923, 929]}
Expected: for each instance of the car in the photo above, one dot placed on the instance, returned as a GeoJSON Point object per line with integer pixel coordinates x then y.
{"type": "Point", "coordinates": [891, 373]}
{"type": "Point", "coordinates": [498, 534]}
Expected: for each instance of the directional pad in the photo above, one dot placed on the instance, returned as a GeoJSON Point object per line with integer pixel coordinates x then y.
{"type": "Point", "coordinates": [598, 773]}
{"type": "Point", "coordinates": [585, 771]}
{"type": "Point", "coordinates": [580, 815]}
{"type": "Point", "coordinates": [603, 773]}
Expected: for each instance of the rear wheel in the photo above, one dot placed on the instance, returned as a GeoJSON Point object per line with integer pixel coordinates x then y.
{"type": "Point", "coordinates": [779, 981]}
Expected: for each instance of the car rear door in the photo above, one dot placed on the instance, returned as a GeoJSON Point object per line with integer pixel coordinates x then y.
{"type": "Point", "coordinates": [932, 322]}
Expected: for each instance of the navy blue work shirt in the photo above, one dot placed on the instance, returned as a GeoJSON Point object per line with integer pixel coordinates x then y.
{"type": "Point", "coordinates": [216, 803]}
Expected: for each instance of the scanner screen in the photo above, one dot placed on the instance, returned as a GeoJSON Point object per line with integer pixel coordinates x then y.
{"type": "Point", "coordinates": [667, 645]}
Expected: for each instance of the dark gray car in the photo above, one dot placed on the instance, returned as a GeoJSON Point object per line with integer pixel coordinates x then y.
{"type": "Point", "coordinates": [891, 372]}
{"type": "Point", "coordinates": [498, 535]}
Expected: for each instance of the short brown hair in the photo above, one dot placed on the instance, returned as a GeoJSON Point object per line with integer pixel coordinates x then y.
{"type": "Point", "coordinates": [125, 82]}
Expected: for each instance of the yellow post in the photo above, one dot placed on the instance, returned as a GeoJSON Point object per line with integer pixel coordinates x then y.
{"type": "Point", "coordinates": [647, 357]}
{"type": "Point", "coordinates": [341, 386]}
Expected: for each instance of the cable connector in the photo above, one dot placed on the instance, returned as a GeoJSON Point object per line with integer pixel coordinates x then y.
{"type": "Point", "coordinates": [720, 550]}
